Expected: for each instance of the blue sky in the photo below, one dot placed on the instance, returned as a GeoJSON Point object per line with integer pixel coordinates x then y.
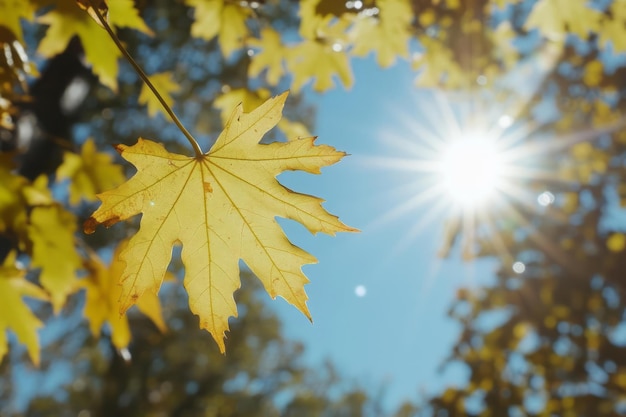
{"type": "Point", "coordinates": [397, 334]}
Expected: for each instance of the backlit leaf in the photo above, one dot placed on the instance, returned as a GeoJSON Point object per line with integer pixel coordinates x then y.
{"type": "Point", "coordinates": [89, 173]}
{"type": "Point", "coordinates": [12, 13]}
{"type": "Point", "coordinates": [51, 231]}
{"type": "Point", "coordinates": [317, 60]}
{"type": "Point", "coordinates": [102, 299]}
{"type": "Point", "coordinates": [68, 20]}
{"type": "Point", "coordinates": [14, 313]}
{"type": "Point", "coordinates": [613, 30]}
{"type": "Point", "coordinates": [222, 19]}
{"type": "Point", "coordinates": [221, 207]}
{"type": "Point", "coordinates": [556, 18]}
{"type": "Point", "coordinates": [166, 86]}
{"type": "Point", "coordinates": [387, 33]}
{"type": "Point", "coordinates": [270, 57]}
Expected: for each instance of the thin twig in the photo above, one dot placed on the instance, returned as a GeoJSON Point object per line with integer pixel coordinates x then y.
{"type": "Point", "coordinates": [144, 77]}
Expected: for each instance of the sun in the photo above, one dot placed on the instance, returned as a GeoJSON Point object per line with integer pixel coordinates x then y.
{"type": "Point", "coordinates": [471, 170]}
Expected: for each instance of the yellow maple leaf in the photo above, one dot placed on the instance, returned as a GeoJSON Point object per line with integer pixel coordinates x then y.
{"type": "Point", "coordinates": [165, 85]}
{"type": "Point", "coordinates": [68, 20]}
{"type": "Point", "coordinates": [250, 101]}
{"type": "Point", "coordinates": [12, 13]}
{"type": "Point", "coordinates": [13, 209]}
{"type": "Point", "coordinates": [221, 206]}
{"type": "Point", "coordinates": [387, 33]}
{"type": "Point", "coordinates": [270, 57]}
{"type": "Point", "coordinates": [14, 313]}
{"type": "Point", "coordinates": [123, 14]}
{"type": "Point", "coordinates": [613, 30]}
{"type": "Point", "coordinates": [437, 65]}
{"type": "Point", "coordinates": [321, 55]}
{"type": "Point", "coordinates": [90, 173]}
{"type": "Point", "coordinates": [102, 292]}
{"type": "Point", "coordinates": [224, 19]}
{"type": "Point", "coordinates": [51, 233]}
{"type": "Point", "coordinates": [556, 18]}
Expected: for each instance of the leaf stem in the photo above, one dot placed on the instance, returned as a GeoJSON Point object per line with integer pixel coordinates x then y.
{"type": "Point", "coordinates": [144, 77]}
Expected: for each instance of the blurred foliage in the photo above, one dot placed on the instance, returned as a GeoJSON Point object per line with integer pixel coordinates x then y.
{"type": "Point", "coordinates": [180, 372]}
{"type": "Point", "coordinates": [556, 346]}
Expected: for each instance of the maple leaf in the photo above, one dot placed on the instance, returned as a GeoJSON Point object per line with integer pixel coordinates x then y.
{"type": "Point", "coordinates": [102, 294]}
{"type": "Point", "coordinates": [14, 313]}
{"type": "Point", "coordinates": [321, 57]}
{"type": "Point", "coordinates": [12, 12]}
{"type": "Point", "coordinates": [388, 33]}
{"type": "Point", "coordinates": [68, 20]}
{"type": "Point", "coordinates": [165, 85]}
{"type": "Point", "coordinates": [270, 57]}
{"type": "Point", "coordinates": [13, 208]}
{"type": "Point", "coordinates": [220, 18]}
{"type": "Point", "coordinates": [556, 18]}
{"type": "Point", "coordinates": [437, 65]}
{"type": "Point", "coordinates": [221, 206]}
{"type": "Point", "coordinates": [250, 100]}
{"type": "Point", "coordinates": [124, 14]}
{"type": "Point", "coordinates": [612, 30]}
{"type": "Point", "coordinates": [90, 173]}
{"type": "Point", "coordinates": [50, 232]}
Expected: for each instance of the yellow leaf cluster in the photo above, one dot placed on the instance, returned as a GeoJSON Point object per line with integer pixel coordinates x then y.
{"type": "Point", "coordinates": [437, 66]}
{"type": "Point", "coordinates": [320, 57]}
{"type": "Point", "coordinates": [89, 173]}
{"type": "Point", "coordinates": [12, 13]}
{"type": "Point", "coordinates": [14, 313]}
{"type": "Point", "coordinates": [387, 35]}
{"type": "Point", "coordinates": [103, 291]}
{"type": "Point", "coordinates": [166, 86]}
{"type": "Point", "coordinates": [557, 18]}
{"type": "Point", "coordinates": [51, 231]}
{"type": "Point", "coordinates": [222, 19]}
{"type": "Point", "coordinates": [221, 206]}
{"type": "Point", "coordinates": [611, 29]}
{"type": "Point", "coordinates": [269, 58]}
{"type": "Point", "coordinates": [67, 20]}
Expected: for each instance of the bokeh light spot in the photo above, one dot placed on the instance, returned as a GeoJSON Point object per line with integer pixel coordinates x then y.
{"type": "Point", "coordinates": [360, 291]}
{"type": "Point", "coordinates": [519, 267]}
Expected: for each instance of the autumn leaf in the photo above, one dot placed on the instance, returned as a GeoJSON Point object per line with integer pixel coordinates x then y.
{"type": "Point", "coordinates": [50, 233]}
{"type": "Point", "coordinates": [102, 294]}
{"type": "Point", "coordinates": [321, 57]}
{"type": "Point", "coordinates": [13, 208]}
{"type": "Point", "coordinates": [250, 100]}
{"type": "Point", "coordinates": [556, 18]}
{"type": "Point", "coordinates": [89, 173]}
{"type": "Point", "coordinates": [165, 85]}
{"type": "Point", "coordinates": [124, 14]}
{"type": "Point", "coordinates": [221, 206]}
{"type": "Point", "coordinates": [437, 66]}
{"type": "Point", "coordinates": [12, 13]}
{"type": "Point", "coordinates": [14, 313]}
{"type": "Point", "coordinates": [270, 56]}
{"type": "Point", "coordinates": [68, 20]}
{"type": "Point", "coordinates": [612, 30]}
{"type": "Point", "coordinates": [222, 19]}
{"type": "Point", "coordinates": [387, 33]}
